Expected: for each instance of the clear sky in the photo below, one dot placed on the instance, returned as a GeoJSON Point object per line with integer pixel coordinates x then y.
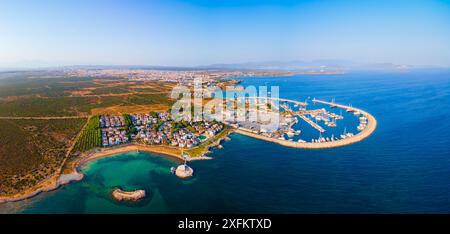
{"type": "Point", "coordinates": [200, 32]}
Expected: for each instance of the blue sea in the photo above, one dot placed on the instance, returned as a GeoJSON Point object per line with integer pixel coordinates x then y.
{"type": "Point", "coordinates": [403, 167]}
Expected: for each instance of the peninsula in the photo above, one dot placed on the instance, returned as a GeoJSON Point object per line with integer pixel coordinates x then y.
{"type": "Point", "coordinates": [62, 123]}
{"type": "Point", "coordinates": [155, 132]}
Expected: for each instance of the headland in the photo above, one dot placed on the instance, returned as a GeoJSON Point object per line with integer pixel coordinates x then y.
{"type": "Point", "coordinates": [74, 174]}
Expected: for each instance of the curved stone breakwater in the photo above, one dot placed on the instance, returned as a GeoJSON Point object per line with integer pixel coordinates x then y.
{"type": "Point", "coordinates": [366, 132]}
{"type": "Point", "coordinates": [121, 195]}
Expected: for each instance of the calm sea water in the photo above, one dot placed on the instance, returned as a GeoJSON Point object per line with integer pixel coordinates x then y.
{"type": "Point", "coordinates": [404, 167]}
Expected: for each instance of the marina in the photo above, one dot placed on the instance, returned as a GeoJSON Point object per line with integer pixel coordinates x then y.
{"type": "Point", "coordinates": [321, 177]}
{"type": "Point", "coordinates": [367, 125]}
{"type": "Point", "coordinates": [244, 115]}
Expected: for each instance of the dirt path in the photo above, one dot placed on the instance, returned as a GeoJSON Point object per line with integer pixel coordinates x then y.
{"type": "Point", "coordinates": [45, 117]}
{"type": "Point", "coordinates": [119, 94]}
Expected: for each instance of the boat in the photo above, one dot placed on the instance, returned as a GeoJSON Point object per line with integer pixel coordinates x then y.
{"type": "Point", "coordinates": [340, 116]}
{"type": "Point", "coordinates": [333, 105]}
{"type": "Point", "coordinates": [344, 135]}
{"type": "Point", "coordinates": [357, 113]}
{"type": "Point", "coordinates": [321, 139]}
{"type": "Point", "coordinates": [172, 170]}
{"type": "Point", "coordinates": [301, 141]}
{"type": "Point", "coordinates": [290, 133]}
{"type": "Point", "coordinates": [350, 108]}
{"type": "Point", "coordinates": [298, 132]}
{"type": "Point", "coordinates": [332, 123]}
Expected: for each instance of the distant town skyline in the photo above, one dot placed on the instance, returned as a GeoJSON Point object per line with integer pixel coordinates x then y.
{"type": "Point", "coordinates": [198, 32]}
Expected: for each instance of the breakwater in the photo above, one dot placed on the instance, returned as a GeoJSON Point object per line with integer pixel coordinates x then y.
{"type": "Point", "coordinates": [366, 132]}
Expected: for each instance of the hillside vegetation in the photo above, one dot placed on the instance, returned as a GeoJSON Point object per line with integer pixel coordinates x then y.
{"type": "Point", "coordinates": [32, 150]}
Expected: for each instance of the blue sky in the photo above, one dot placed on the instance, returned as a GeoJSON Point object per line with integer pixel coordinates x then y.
{"type": "Point", "coordinates": [196, 32]}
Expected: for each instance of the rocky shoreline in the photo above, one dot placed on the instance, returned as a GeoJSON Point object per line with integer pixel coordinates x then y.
{"type": "Point", "coordinates": [55, 182]}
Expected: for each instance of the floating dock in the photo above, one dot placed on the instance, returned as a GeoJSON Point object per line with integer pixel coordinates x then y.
{"type": "Point", "coordinates": [312, 123]}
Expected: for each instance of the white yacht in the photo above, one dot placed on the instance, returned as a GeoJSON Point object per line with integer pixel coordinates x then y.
{"type": "Point", "coordinates": [290, 133]}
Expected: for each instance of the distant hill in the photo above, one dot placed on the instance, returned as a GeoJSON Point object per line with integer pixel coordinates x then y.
{"type": "Point", "coordinates": [307, 66]}
{"type": "Point", "coordinates": [320, 66]}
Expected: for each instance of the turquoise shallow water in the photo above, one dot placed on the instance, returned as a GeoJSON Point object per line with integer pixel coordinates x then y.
{"type": "Point", "coordinates": [404, 167]}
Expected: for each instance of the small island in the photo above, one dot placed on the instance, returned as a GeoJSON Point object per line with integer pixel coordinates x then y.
{"type": "Point", "coordinates": [121, 195]}
{"type": "Point", "coordinates": [184, 171]}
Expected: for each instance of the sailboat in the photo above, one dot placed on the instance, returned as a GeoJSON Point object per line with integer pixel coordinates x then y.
{"type": "Point", "coordinates": [339, 116]}
{"type": "Point", "coordinates": [332, 123]}
{"type": "Point", "coordinates": [350, 109]}
{"type": "Point", "coordinates": [321, 139]}
{"type": "Point", "coordinates": [344, 135]}
{"type": "Point", "coordinates": [332, 103]}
